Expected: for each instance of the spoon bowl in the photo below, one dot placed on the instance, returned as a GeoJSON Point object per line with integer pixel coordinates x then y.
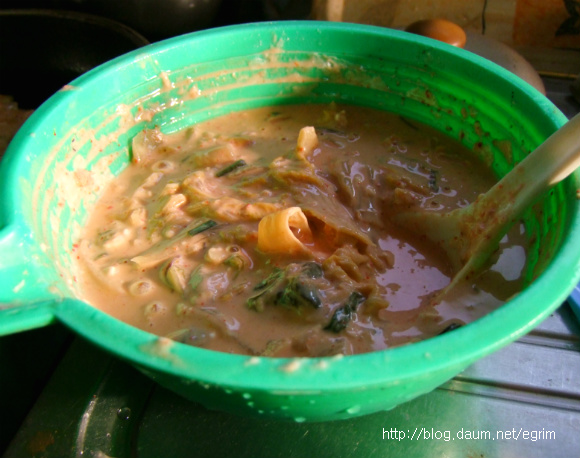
{"type": "Point", "coordinates": [470, 235]}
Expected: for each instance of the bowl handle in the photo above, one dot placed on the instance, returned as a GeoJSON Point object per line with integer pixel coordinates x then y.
{"type": "Point", "coordinates": [26, 299]}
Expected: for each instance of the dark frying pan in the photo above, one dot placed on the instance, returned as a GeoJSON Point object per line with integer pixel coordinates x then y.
{"type": "Point", "coordinates": [42, 50]}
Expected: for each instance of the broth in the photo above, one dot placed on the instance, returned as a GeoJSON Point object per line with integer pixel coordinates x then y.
{"type": "Point", "coordinates": [266, 232]}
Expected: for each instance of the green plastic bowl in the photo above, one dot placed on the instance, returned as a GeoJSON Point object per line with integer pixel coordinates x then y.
{"type": "Point", "coordinates": [89, 124]}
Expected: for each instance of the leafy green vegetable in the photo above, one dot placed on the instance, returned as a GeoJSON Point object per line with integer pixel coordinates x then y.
{"type": "Point", "coordinates": [263, 287]}
{"type": "Point", "coordinates": [254, 303]}
{"type": "Point", "coordinates": [312, 270]}
{"type": "Point", "coordinates": [202, 227]}
{"type": "Point", "coordinates": [297, 294]}
{"type": "Point", "coordinates": [269, 281]}
{"type": "Point", "coordinates": [230, 168]}
{"type": "Point", "coordinates": [289, 289]}
{"type": "Point", "coordinates": [343, 315]}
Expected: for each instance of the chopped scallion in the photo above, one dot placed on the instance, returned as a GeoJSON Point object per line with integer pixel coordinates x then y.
{"type": "Point", "coordinates": [230, 168]}
{"type": "Point", "coordinates": [202, 227]}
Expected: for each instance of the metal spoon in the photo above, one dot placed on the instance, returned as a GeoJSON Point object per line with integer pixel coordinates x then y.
{"type": "Point", "coordinates": [469, 235]}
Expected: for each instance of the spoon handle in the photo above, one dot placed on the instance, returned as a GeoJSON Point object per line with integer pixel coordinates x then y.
{"type": "Point", "coordinates": [555, 159]}
{"type": "Point", "coordinates": [485, 221]}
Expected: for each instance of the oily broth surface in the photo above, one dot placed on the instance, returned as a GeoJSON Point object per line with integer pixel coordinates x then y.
{"type": "Point", "coordinates": [357, 284]}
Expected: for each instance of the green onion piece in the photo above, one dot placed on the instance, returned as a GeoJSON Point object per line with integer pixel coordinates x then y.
{"type": "Point", "coordinates": [195, 279]}
{"type": "Point", "coordinates": [230, 168]}
{"type": "Point", "coordinates": [202, 227]}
